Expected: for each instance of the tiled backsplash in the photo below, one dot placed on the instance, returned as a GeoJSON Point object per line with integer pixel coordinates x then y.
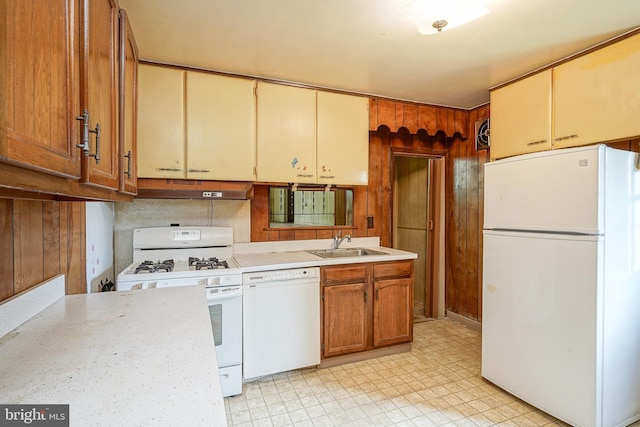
{"type": "Point", "coordinates": [163, 213]}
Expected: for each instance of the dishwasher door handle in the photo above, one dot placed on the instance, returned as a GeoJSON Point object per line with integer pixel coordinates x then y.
{"type": "Point", "coordinates": [277, 283]}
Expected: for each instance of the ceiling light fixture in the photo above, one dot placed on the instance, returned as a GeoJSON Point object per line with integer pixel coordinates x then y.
{"type": "Point", "coordinates": [434, 16]}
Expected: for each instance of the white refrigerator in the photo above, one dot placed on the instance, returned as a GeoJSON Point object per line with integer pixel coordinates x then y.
{"type": "Point", "coordinates": [561, 282]}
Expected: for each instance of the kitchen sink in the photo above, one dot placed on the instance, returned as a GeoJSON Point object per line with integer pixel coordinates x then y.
{"type": "Point", "coordinates": [345, 252]}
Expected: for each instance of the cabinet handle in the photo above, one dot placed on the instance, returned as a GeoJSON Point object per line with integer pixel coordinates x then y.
{"type": "Point", "coordinates": [84, 118]}
{"type": "Point", "coordinates": [564, 138]}
{"type": "Point", "coordinates": [169, 169]}
{"type": "Point", "coordinates": [199, 170]}
{"type": "Point", "coordinates": [305, 175]}
{"type": "Point", "coordinates": [97, 153]}
{"type": "Point", "coordinates": [377, 294]}
{"type": "Point", "coordinates": [327, 177]}
{"type": "Point", "coordinates": [365, 296]}
{"type": "Point", "coordinates": [128, 171]}
{"type": "Point", "coordinates": [542, 141]}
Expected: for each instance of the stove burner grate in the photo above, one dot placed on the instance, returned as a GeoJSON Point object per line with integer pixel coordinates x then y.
{"type": "Point", "coordinates": [207, 264]}
{"type": "Point", "coordinates": [153, 267]}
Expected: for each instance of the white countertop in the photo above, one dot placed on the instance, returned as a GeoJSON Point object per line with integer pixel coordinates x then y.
{"type": "Point", "coordinates": [293, 254]}
{"type": "Point", "coordinates": [118, 358]}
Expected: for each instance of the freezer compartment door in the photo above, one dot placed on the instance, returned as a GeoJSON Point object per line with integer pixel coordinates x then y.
{"type": "Point", "coordinates": [539, 321]}
{"type": "Point", "coordinates": [559, 190]}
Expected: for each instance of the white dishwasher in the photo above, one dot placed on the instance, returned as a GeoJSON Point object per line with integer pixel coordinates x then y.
{"type": "Point", "coordinates": [280, 321]}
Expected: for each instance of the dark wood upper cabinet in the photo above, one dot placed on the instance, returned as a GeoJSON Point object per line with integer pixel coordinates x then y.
{"type": "Point", "coordinates": [99, 91]}
{"type": "Point", "coordinates": [63, 126]}
{"type": "Point", "coordinates": [39, 77]}
{"type": "Point", "coordinates": [128, 95]}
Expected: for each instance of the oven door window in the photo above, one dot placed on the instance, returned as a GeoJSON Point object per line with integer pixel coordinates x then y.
{"type": "Point", "coordinates": [215, 311]}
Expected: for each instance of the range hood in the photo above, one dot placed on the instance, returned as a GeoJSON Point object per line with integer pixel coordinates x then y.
{"type": "Point", "coordinates": [191, 189]}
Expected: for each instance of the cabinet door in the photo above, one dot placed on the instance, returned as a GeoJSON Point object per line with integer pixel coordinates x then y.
{"type": "Point", "coordinates": [521, 117]}
{"type": "Point", "coordinates": [286, 146]}
{"type": "Point", "coordinates": [40, 89]}
{"type": "Point", "coordinates": [160, 122]}
{"type": "Point", "coordinates": [343, 139]}
{"type": "Point", "coordinates": [345, 319]}
{"type": "Point", "coordinates": [220, 127]}
{"type": "Point", "coordinates": [99, 92]}
{"type": "Point", "coordinates": [128, 61]}
{"type": "Point", "coordinates": [392, 312]}
{"type": "Point", "coordinates": [596, 98]}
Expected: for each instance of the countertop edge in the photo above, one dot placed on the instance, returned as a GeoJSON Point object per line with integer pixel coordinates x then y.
{"type": "Point", "coordinates": [262, 261]}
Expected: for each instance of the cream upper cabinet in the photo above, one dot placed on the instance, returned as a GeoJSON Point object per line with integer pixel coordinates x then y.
{"type": "Point", "coordinates": [286, 129]}
{"type": "Point", "coordinates": [220, 114]}
{"type": "Point", "coordinates": [521, 116]}
{"type": "Point", "coordinates": [195, 125]}
{"type": "Point", "coordinates": [596, 97]}
{"type": "Point", "coordinates": [311, 137]}
{"type": "Point", "coordinates": [342, 139]}
{"type": "Point", "coordinates": [160, 122]}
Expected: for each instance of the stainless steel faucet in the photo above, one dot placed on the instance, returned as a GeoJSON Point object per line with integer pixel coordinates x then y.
{"type": "Point", "coordinates": [337, 239]}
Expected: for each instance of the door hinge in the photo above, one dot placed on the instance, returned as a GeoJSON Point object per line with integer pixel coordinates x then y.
{"type": "Point", "coordinates": [322, 346]}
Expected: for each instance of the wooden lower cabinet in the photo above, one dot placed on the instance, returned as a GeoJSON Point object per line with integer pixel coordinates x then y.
{"type": "Point", "coordinates": [392, 312]}
{"type": "Point", "coordinates": [345, 319]}
{"type": "Point", "coordinates": [366, 306]}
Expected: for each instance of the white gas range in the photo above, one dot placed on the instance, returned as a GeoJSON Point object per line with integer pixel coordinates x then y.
{"type": "Point", "coordinates": [201, 256]}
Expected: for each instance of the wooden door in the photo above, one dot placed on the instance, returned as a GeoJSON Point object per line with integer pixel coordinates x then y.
{"type": "Point", "coordinates": [99, 92]}
{"type": "Point", "coordinates": [596, 97]}
{"type": "Point", "coordinates": [412, 220]}
{"type": "Point", "coordinates": [220, 127]}
{"type": "Point", "coordinates": [392, 312]}
{"type": "Point", "coordinates": [286, 134]}
{"type": "Point", "coordinates": [343, 139]}
{"type": "Point", "coordinates": [345, 319]}
{"type": "Point", "coordinates": [160, 122]}
{"type": "Point", "coordinates": [127, 111]}
{"type": "Point", "coordinates": [40, 89]}
{"type": "Point", "coordinates": [521, 117]}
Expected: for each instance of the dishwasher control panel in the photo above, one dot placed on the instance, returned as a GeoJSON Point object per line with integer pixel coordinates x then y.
{"type": "Point", "coordinates": [311, 273]}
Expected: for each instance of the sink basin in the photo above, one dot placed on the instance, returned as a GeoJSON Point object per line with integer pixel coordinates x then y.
{"type": "Point", "coordinates": [346, 252]}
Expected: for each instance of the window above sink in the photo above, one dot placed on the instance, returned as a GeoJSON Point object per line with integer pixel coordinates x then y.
{"type": "Point", "coordinates": [311, 206]}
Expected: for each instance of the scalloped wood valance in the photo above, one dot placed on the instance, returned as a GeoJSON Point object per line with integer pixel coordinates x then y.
{"type": "Point", "coordinates": [432, 119]}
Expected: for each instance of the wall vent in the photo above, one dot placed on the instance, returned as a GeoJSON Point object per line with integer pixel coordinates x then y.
{"type": "Point", "coordinates": [483, 133]}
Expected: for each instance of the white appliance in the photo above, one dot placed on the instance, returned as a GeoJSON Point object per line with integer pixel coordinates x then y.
{"type": "Point", "coordinates": [281, 321]}
{"type": "Point", "coordinates": [196, 256]}
{"type": "Point", "coordinates": [561, 283]}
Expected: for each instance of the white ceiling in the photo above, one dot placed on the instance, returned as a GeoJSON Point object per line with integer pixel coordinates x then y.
{"type": "Point", "coordinates": [364, 46]}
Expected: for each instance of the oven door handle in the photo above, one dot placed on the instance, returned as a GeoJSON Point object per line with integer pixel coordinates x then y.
{"type": "Point", "coordinates": [224, 295]}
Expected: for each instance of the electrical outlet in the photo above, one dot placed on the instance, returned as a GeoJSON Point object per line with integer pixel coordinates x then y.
{"type": "Point", "coordinates": [207, 194]}
{"type": "Point", "coordinates": [369, 222]}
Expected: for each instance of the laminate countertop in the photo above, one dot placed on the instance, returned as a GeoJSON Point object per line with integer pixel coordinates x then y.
{"type": "Point", "coordinates": [127, 358]}
{"type": "Point", "coordinates": [264, 256]}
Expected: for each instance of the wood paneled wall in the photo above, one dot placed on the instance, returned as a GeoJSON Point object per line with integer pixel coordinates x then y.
{"type": "Point", "coordinates": [465, 217]}
{"type": "Point", "coordinates": [415, 117]}
{"type": "Point", "coordinates": [39, 240]}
